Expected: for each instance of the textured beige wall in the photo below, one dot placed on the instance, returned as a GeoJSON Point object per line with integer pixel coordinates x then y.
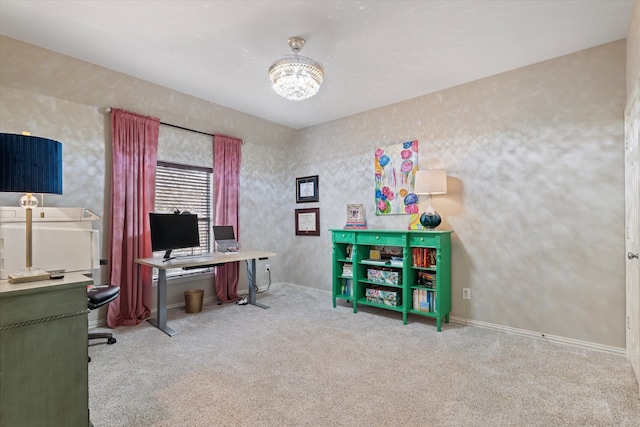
{"type": "Point", "coordinates": [534, 157]}
{"type": "Point", "coordinates": [535, 166]}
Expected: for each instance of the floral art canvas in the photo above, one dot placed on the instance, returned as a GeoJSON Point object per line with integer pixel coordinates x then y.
{"type": "Point", "coordinates": [395, 169]}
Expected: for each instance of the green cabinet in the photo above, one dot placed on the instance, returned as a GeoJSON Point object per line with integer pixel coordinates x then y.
{"type": "Point", "coordinates": [412, 275]}
{"type": "Point", "coordinates": [44, 353]}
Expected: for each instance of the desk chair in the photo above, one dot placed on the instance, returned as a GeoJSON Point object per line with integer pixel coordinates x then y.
{"type": "Point", "coordinates": [97, 297]}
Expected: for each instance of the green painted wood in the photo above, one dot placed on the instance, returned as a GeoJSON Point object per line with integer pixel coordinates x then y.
{"type": "Point", "coordinates": [363, 240]}
{"type": "Point", "coordinates": [43, 354]}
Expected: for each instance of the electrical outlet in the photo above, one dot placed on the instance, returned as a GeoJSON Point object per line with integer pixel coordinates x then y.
{"type": "Point", "coordinates": [267, 267]}
{"type": "Point", "coordinates": [466, 293]}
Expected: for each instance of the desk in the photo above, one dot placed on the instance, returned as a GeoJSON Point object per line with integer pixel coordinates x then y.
{"type": "Point", "coordinates": [43, 352]}
{"type": "Point", "coordinates": [214, 258]}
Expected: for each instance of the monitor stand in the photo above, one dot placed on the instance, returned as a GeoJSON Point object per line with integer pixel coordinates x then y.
{"type": "Point", "coordinates": [167, 256]}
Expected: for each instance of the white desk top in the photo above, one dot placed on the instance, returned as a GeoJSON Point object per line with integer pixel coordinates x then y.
{"type": "Point", "coordinates": [213, 258]}
{"type": "Point", "coordinates": [43, 285]}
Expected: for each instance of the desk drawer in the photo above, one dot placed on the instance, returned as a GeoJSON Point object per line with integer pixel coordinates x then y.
{"type": "Point", "coordinates": [382, 239]}
{"type": "Point", "coordinates": [344, 236]}
{"type": "Point", "coordinates": [49, 301]}
{"type": "Point", "coordinates": [425, 240]}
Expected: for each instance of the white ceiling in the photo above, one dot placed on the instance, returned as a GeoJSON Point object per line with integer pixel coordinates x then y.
{"type": "Point", "coordinates": [375, 53]}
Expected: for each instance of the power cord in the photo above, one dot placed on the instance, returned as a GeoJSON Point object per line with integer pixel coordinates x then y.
{"type": "Point", "coordinates": [252, 282]}
{"type": "Point", "coordinates": [268, 286]}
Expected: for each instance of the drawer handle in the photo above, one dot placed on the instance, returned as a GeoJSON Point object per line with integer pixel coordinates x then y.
{"type": "Point", "coordinates": [344, 235]}
{"type": "Point", "coordinates": [377, 237]}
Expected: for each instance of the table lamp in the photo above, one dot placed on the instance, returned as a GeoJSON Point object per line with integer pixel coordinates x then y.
{"type": "Point", "coordinates": [29, 164]}
{"type": "Point", "coordinates": [430, 181]}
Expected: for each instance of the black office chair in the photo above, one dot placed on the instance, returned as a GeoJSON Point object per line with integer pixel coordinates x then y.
{"type": "Point", "coordinates": [97, 297]}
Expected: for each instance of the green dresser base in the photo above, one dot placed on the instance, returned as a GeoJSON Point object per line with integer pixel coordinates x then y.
{"type": "Point", "coordinates": [43, 353]}
{"type": "Point", "coordinates": [418, 283]}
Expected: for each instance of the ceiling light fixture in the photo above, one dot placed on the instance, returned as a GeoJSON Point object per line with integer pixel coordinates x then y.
{"type": "Point", "coordinates": [296, 77]}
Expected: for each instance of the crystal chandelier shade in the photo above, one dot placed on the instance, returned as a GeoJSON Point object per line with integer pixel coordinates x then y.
{"type": "Point", "coordinates": [296, 77]}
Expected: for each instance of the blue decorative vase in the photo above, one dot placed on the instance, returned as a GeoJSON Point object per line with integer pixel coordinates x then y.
{"type": "Point", "coordinates": [430, 220]}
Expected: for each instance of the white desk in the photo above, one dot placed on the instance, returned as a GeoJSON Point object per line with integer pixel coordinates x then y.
{"type": "Point", "coordinates": [214, 258]}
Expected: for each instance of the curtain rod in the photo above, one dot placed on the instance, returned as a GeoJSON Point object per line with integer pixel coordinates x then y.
{"type": "Point", "coordinates": [108, 110]}
{"type": "Point", "coordinates": [187, 129]}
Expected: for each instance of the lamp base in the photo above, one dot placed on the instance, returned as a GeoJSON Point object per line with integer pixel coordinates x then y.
{"type": "Point", "coordinates": [29, 274]}
{"type": "Point", "coordinates": [430, 220]}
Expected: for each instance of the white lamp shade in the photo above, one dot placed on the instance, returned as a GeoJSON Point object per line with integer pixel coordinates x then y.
{"type": "Point", "coordinates": [431, 181]}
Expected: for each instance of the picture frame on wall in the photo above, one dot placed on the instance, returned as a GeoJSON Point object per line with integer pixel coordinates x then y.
{"type": "Point", "coordinates": [307, 189]}
{"type": "Point", "coordinates": [308, 222]}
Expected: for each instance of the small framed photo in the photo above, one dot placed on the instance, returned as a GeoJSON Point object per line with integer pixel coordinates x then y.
{"type": "Point", "coordinates": [308, 222]}
{"type": "Point", "coordinates": [307, 189]}
{"type": "Point", "coordinates": [355, 214]}
{"type": "Point", "coordinates": [355, 217]}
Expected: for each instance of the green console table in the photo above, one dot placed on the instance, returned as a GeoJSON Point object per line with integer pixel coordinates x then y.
{"type": "Point", "coordinates": [44, 353]}
{"type": "Point", "coordinates": [413, 275]}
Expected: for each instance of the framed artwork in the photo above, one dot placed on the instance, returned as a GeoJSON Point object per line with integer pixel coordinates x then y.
{"type": "Point", "coordinates": [307, 189]}
{"type": "Point", "coordinates": [395, 169]}
{"type": "Point", "coordinates": [355, 217]}
{"type": "Point", "coordinates": [355, 214]}
{"type": "Point", "coordinates": [308, 222]}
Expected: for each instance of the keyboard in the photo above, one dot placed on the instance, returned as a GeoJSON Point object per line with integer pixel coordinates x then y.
{"type": "Point", "coordinates": [199, 266]}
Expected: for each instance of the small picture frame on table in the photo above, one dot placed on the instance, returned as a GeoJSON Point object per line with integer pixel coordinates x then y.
{"type": "Point", "coordinates": [307, 189]}
{"type": "Point", "coordinates": [308, 222]}
{"type": "Point", "coordinates": [355, 217]}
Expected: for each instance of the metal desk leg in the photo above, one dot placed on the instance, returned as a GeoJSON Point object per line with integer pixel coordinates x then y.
{"type": "Point", "coordinates": [252, 290]}
{"type": "Point", "coordinates": [161, 322]}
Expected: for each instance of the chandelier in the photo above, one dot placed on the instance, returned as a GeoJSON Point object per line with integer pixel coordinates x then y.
{"type": "Point", "coordinates": [296, 77]}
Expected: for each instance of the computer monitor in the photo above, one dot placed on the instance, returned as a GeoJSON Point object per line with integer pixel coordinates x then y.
{"type": "Point", "coordinates": [225, 238]}
{"type": "Point", "coordinates": [173, 231]}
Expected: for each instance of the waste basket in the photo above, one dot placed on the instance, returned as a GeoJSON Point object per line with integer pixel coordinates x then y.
{"type": "Point", "coordinates": [193, 300]}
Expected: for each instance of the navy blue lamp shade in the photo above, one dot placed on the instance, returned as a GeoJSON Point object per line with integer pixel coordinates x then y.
{"type": "Point", "coordinates": [30, 164]}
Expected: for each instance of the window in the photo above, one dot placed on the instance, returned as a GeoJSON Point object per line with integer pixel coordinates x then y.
{"type": "Point", "coordinates": [186, 188]}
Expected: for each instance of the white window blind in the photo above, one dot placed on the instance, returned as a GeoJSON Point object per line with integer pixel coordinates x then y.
{"type": "Point", "coordinates": [186, 188]}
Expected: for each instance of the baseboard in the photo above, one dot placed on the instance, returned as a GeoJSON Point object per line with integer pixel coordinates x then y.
{"type": "Point", "coordinates": [541, 336]}
{"type": "Point", "coordinates": [307, 288]}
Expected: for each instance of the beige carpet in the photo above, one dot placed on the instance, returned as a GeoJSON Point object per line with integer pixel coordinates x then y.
{"type": "Point", "coordinates": [304, 363]}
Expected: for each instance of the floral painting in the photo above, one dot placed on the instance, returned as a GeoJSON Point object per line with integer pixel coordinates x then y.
{"type": "Point", "coordinates": [395, 168]}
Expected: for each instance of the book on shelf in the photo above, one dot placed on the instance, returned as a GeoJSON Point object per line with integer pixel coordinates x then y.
{"type": "Point", "coordinates": [424, 300]}
{"type": "Point", "coordinates": [423, 257]}
{"type": "Point", "coordinates": [384, 262]}
{"type": "Point", "coordinates": [427, 279]}
{"type": "Point", "coordinates": [347, 287]}
{"type": "Point", "coordinates": [347, 270]}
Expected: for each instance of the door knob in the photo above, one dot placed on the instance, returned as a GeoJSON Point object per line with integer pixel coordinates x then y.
{"type": "Point", "coordinates": [632, 256]}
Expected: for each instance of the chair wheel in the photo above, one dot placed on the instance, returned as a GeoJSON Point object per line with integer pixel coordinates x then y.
{"type": "Point", "coordinates": [111, 341]}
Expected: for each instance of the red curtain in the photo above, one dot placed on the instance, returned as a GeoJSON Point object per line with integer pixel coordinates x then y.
{"type": "Point", "coordinates": [226, 169]}
{"type": "Point", "coordinates": [134, 140]}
